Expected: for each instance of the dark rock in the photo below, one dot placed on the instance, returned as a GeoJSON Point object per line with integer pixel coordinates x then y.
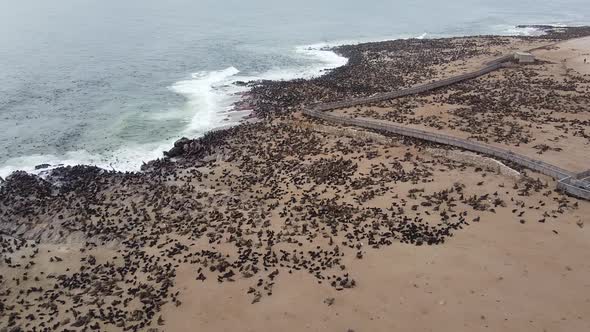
{"type": "Point", "coordinates": [178, 149]}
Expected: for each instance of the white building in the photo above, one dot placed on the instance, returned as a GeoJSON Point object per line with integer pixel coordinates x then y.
{"type": "Point", "coordinates": [524, 57]}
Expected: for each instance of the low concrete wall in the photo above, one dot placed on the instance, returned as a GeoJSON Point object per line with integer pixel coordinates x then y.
{"type": "Point", "coordinates": [474, 159]}
{"type": "Point", "coordinates": [365, 135]}
{"type": "Point", "coordinates": [560, 174]}
{"type": "Point", "coordinates": [502, 153]}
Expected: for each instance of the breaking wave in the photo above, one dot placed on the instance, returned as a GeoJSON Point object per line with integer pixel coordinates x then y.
{"type": "Point", "coordinates": [210, 96]}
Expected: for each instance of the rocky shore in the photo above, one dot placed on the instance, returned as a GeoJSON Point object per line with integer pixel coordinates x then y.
{"type": "Point", "coordinates": [309, 228]}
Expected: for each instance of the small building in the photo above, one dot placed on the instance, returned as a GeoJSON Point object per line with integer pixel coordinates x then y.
{"type": "Point", "coordinates": [524, 57]}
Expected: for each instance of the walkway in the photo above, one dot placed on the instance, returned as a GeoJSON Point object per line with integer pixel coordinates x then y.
{"type": "Point", "coordinates": [567, 181]}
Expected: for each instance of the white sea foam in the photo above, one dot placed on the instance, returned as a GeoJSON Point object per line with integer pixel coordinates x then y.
{"type": "Point", "coordinates": [326, 58]}
{"type": "Point", "coordinates": [525, 30]}
{"type": "Point", "coordinates": [125, 159]}
{"type": "Point", "coordinates": [209, 96]}
{"type": "Point", "coordinates": [320, 55]}
{"type": "Point", "coordinates": [422, 36]}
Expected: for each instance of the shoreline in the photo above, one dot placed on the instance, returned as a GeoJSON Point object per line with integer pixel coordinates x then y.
{"type": "Point", "coordinates": [327, 46]}
{"type": "Point", "coordinates": [154, 150]}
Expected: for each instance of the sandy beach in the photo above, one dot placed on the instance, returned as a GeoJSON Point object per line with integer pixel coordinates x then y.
{"type": "Point", "coordinates": [290, 223]}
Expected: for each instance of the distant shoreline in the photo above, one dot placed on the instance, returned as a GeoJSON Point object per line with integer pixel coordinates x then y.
{"type": "Point", "coordinates": [248, 101]}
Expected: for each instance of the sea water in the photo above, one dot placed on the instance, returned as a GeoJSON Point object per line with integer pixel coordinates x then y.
{"type": "Point", "coordinates": [113, 83]}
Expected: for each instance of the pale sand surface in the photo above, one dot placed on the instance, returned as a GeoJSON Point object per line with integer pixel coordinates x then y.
{"type": "Point", "coordinates": [495, 276]}
{"type": "Point", "coordinates": [573, 52]}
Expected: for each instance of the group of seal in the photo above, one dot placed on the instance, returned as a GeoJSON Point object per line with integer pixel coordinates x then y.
{"type": "Point", "coordinates": [245, 204]}
{"type": "Point", "coordinates": [509, 107]}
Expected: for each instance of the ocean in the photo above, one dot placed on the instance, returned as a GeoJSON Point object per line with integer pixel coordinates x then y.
{"type": "Point", "coordinates": [114, 83]}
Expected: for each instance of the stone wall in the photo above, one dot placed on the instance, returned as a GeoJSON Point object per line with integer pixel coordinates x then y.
{"type": "Point", "coordinates": [473, 159]}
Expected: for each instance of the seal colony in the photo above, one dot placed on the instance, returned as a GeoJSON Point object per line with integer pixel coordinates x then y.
{"type": "Point", "coordinates": [276, 224]}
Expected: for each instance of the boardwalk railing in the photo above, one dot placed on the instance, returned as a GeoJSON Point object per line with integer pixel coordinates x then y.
{"type": "Point", "coordinates": [413, 90]}
{"type": "Point", "coordinates": [561, 175]}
